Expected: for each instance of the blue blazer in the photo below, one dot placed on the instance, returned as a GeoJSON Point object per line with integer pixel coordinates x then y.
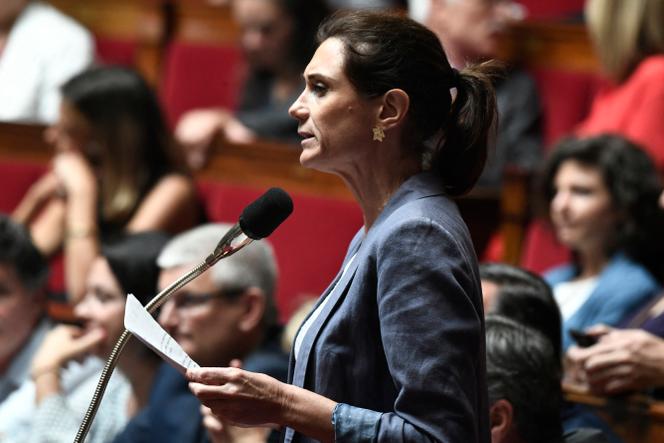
{"type": "Point", "coordinates": [623, 287]}
{"type": "Point", "coordinates": [400, 343]}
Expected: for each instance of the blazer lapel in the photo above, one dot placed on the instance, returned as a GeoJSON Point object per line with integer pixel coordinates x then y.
{"type": "Point", "coordinates": [336, 294]}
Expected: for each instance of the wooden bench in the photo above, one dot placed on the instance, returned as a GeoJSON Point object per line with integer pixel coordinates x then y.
{"type": "Point", "coordinates": [636, 418]}
{"type": "Point", "coordinates": [238, 173]}
{"type": "Point", "coordinates": [129, 32]}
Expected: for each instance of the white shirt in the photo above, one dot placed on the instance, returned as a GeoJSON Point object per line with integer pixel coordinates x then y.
{"type": "Point", "coordinates": [571, 295]}
{"type": "Point", "coordinates": [44, 49]}
{"type": "Point", "coordinates": [312, 318]}
{"type": "Point", "coordinates": [17, 392]}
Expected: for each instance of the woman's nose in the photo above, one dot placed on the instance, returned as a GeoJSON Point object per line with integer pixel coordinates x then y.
{"type": "Point", "coordinates": [298, 110]}
{"type": "Point", "coordinates": [560, 201]}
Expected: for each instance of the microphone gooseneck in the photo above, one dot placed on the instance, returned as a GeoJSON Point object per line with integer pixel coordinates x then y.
{"type": "Point", "coordinates": [258, 220]}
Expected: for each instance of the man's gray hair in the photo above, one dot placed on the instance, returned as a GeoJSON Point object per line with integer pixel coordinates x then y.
{"type": "Point", "coordinates": [253, 266]}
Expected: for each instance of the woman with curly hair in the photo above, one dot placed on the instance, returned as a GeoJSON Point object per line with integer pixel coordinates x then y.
{"type": "Point", "coordinates": [602, 194]}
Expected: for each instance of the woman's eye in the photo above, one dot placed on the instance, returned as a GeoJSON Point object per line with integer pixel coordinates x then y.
{"type": "Point", "coordinates": [318, 89]}
{"type": "Point", "coordinates": [582, 190]}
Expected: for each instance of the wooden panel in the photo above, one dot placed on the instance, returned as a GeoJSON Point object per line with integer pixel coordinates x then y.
{"type": "Point", "coordinates": [23, 142]}
{"type": "Point", "coordinates": [262, 165]}
{"type": "Point", "coordinates": [140, 21]}
{"type": "Point", "coordinates": [550, 45]}
{"type": "Point", "coordinates": [197, 21]}
{"type": "Point", "coordinates": [635, 418]}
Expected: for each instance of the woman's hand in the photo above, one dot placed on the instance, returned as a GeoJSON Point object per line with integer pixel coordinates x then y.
{"type": "Point", "coordinates": [75, 174]}
{"type": "Point", "coordinates": [622, 360]}
{"type": "Point", "coordinates": [47, 187]}
{"type": "Point", "coordinates": [244, 398]}
{"type": "Point", "coordinates": [220, 432]}
{"type": "Point", "coordinates": [196, 131]}
{"type": "Point", "coordinates": [239, 397]}
{"type": "Point", "coordinates": [63, 344]}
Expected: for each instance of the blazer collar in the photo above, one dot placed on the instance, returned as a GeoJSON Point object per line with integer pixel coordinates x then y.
{"type": "Point", "coordinates": [418, 186]}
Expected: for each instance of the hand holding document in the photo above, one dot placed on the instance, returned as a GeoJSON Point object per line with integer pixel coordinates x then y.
{"type": "Point", "coordinates": [139, 322]}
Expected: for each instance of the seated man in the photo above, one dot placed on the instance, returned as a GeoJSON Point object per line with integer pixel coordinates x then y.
{"type": "Point", "coordinates": [470, 31]}
{"type": "Point", "coordinates": [40, 49]}
{"type": "Point", "coordinates": [226, 316]}
{"type": "Point", "coordinates": [523, 377]}
{"type": "Point", "coordinates": [522, 296]}
{"type": "Point", "coordinates": [23, 324]}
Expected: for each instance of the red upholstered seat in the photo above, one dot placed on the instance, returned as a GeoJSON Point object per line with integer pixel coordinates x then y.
{"type": "Point", "coordinates": [566, 99]}
{"type": "Point", "coordinates": [15, 179]}
{"type": "Point", "coordinates": [198, 76]}
{"type": "Point", "coordinates": [116, 51]}
{"type": "Point", "coordinates": [310, 245]}
{"type": "Point", "coordinates": [538, 9]}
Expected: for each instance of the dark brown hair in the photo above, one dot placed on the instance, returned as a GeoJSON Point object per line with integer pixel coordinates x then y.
{"type": "Point", "coordinates": [385, 51]}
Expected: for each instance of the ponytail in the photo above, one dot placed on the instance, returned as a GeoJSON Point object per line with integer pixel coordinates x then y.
{"type": "Point", "coordinates": [470, 127]}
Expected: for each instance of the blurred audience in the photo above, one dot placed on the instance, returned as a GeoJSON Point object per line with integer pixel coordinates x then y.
{"type": "Point", "coordinates": [277, 38]}
{"type": "Point", "coordinates": [127, 266]}
{"type": "Point", "coordinates": [23, 324]}
{"type": "Point", "coordinates": [629, 41]}
{"type": "Point", "coordinates": [227, 316]}
{"type": "Point", "coordinates": [527, 411]}
{"type": "Point", "coordinates": [115, 170]}
{"type": "Point", "coordinates": [40, 49]}
{"type": "Point", "coordinates": [523, 297]}
{"type": "Point", "coordinates": [602, 194]}
{"type": "Point", "coordinates": [470, 31]}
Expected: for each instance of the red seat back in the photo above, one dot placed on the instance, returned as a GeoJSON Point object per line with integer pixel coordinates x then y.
{"type": "Point", "coordinates": [310, 245]}
{"type": "Point", "coordinates": [199, 76]}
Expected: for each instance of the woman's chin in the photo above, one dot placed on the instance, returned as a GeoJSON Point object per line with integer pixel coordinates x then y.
{"type": "Point", "coordinates": [308, 157]}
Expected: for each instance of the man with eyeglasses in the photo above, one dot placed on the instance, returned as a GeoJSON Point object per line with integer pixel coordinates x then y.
{"type": "Point", "coordinates": [226, 316]}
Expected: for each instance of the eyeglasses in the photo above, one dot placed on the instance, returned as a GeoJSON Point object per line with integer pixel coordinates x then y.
{"type": "Point", "coordinates": [189, 300]}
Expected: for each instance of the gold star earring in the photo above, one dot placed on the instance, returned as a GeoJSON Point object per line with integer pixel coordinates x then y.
{"type": "Point", "coordinates": [378, 133]}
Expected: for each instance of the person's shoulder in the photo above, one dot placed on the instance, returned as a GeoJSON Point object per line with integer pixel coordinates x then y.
{"type": "Point", "coordinates": [585, 435]}
{"type": "Point", "coordinates": [518, 77]}
{"type": "Point", "coordinates": [559, 274]}
{"type": "Point", "coordinates": [630, 273]}
{"type": "Point", "coordinates": [61, 28]}
{"type": "Point", "coordinates": [649, 73]}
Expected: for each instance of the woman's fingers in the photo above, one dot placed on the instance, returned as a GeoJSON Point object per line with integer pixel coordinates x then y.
{"type": "Point", "coordinates": [213, 376]}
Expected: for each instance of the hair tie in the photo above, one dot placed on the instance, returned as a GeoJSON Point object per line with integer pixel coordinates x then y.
{"type": "Point", "coordinates": [456, 78]}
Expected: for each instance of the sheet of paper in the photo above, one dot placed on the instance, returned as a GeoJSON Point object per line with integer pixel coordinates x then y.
{"type": "Point", "coordinates": [139, 322]}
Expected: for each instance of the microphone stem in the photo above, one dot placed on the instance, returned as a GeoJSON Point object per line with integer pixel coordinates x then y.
{"type": "Point", "coordinates": [232, 242]}
{"type": "Point", "coordinates": [106, 373]}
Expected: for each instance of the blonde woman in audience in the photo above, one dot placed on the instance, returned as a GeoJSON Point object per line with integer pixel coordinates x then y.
{"type": "Point", "coordinates": [115, 170]}
{"type": "Point", "coordinates": [129, 266]}
{"type": "Point", "coordinates": [629, 40]}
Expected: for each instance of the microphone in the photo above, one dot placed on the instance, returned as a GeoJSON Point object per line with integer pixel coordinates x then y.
{"type": "Point", "coordinates": [258, 220]}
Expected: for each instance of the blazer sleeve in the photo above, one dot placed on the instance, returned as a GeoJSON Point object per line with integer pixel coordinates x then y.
{"type": "Point", "coordinates": [431, 327]}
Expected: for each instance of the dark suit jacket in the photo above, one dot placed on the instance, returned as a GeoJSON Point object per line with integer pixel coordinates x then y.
{"type": "Point", "coordinates": [173, 412]}
{"type": "Point", "coordinates": [400, 343]}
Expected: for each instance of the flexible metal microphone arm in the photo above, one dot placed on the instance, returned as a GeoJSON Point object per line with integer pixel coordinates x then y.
{"type": "Point", "coordinates": [233, 241]}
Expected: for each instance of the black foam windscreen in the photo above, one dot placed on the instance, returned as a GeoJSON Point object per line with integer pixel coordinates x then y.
{"type": "Point", "coordinates": [268, 211]}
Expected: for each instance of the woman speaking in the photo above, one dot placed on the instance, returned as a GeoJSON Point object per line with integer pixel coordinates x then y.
{"type": "Point", "coordinates": [394, 348]}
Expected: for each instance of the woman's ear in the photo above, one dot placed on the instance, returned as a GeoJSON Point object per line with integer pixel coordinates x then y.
{"type": "Point", "coordinates": [393, 108]}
